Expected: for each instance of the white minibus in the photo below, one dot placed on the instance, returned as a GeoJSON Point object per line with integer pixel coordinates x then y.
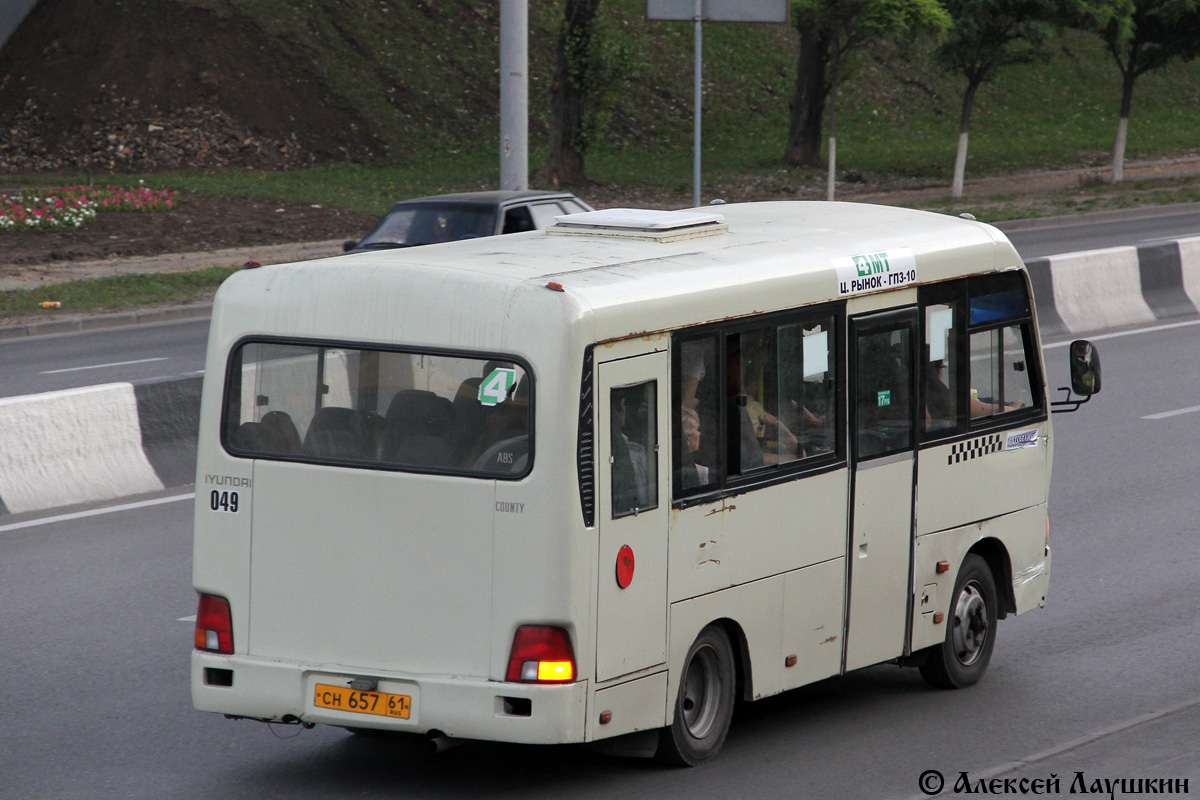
{"type": "Point", "coordinates": [607, 479]}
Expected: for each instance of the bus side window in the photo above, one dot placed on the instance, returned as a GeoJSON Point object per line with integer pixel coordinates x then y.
{"type": "Point", "coordinates": [634, 432]}
{"type": "Point", "coordinates": [748, 362]}
{"type": "Point", "coordinates": [941, 371]}
{"type": "Point", "coordinates": [806, 405]}
{"type": "Point", "coordinates": [697, 463]}
{"type": "Point", "coordinates": [883, 380]}
{"type": "Point", "coordinates": [1000, 379]}
{"type": "Point", "coordinates": [754, 403]}
{"type": "Point", "coordinates": [1004, 377]}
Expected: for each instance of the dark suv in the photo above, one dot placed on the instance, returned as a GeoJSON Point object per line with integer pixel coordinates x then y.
{"type": "Point", "coordinates": [449, 217]}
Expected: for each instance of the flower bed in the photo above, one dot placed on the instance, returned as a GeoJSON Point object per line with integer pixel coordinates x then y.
{"type": "Point", "coordinates": [120, 198]}
{"type": "Point", "coordinates": [72, 206]}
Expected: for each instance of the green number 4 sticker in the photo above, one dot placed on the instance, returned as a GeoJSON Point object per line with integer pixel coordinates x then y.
{"type": "Point", "coordinates": [496, 386]}
{"type": "Point", "coordinates": [884, 398]}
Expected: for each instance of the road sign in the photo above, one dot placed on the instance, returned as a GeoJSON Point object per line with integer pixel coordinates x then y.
{"type": "Point", "coordinates": [699, 12]}
{"type": "Point", "coordinates": [719, 10]}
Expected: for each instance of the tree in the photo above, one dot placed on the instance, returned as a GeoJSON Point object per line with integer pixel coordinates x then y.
{"type": "Point", "coordinates": [589, 69]}
{"type": "Point", "coordinates": [830, 31]}
{"type": "Point", "coordinates": [1143, 36]}
{"type": "Point", "coordinates": [807, 106]}
{"type": "Point", "coordinates": [988, 36]}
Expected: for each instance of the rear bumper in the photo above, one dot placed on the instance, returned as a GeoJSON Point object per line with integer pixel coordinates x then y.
{"type": "Point", "coordinates": [458, 707]}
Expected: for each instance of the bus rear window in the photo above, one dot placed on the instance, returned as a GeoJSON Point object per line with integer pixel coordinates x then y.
{"type": "Point", "coordinates": [378, 408]}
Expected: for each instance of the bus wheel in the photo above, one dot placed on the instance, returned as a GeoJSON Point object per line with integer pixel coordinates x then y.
{"type": "Point", "coordinates": [963, 657]}
{"type": "Point", "coordinates": [704, 703]}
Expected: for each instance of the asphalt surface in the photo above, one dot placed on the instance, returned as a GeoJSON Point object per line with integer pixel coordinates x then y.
{"type": "Point", "coordinates": [127, 353]}
{"type": "Point", "coordinates": [1101, 682]}
{"type": "Point", "coordinates": [1038, 238]}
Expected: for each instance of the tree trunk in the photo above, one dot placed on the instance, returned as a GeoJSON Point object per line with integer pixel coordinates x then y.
{"type": "Point", "coordinates": [807, 107]}
{"type": "Point", "coordinates": [564, 161]}
{"type": "Point", "coordinates": [964, 128]}
{"type": "Point", "coordinates": [1127, 78]}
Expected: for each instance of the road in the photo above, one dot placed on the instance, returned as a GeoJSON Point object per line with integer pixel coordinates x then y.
{"type": "Point", "coordinates": [70, 360]}
{"type": "Point", "coordinates": [1084, 234]}
{"type": "Point", "coordinates": [64, 361]}
{"type": "Point", "coordinates": [1103, 681]}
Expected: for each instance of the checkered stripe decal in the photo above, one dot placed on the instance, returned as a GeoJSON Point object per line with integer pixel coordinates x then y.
{"type": "Point", "coordinates": [975, 448]}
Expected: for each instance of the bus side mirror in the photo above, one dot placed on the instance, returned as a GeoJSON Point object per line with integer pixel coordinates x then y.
{"type": "Point", "coordinates": [1085, 368]}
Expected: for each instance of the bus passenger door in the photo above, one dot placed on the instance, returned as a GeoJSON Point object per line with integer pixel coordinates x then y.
{"type": "Point", "coordinates": [883, 391]}
{"type": "Point", "coordinates": [632, 420]}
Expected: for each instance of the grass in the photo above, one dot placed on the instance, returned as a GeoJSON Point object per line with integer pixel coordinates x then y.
{"type": "Point", "coordinates": [111, 294]}
{"type": "Point", "coordinates": [422, 76]}
{"type": "Point", "coordinates": [1089, 196]}
{"type": "Point", "coordinates": [370, 188]}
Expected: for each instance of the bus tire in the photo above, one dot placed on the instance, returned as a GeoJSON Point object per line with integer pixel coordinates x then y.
{"type": "Point", "coordinates": [704, 702]}
{"type": "Point", "coordinates": [963, 657]}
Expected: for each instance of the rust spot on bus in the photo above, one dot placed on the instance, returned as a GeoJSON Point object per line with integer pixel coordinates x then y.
{"type": "Point", "coordinates": [664, 332]}
{"type": "Point", "coordinates": [646, 335]}
{"type": "Point", "coordinates": [724, 507]}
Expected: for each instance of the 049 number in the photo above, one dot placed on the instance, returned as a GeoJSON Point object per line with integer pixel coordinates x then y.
{"type": "Point", "coordinates": [223, 501]}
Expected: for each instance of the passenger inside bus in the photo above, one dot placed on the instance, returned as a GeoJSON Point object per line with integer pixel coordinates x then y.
{"type": "Point", "coordinates": [698, 391]}
{"type": "Point", "coordinates": [744, 448]}
{"type": "Point", "coordinates": [939, 405]}
{"type": "Point", "coordinates": [691, 474]}
{"type": "Point", "coordinates": [776, 442]}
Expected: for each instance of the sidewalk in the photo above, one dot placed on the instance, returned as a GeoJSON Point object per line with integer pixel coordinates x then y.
{"type": "Point", "coordinates": [31, 277]}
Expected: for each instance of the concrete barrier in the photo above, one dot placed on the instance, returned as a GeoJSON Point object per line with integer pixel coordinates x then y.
{"type": "Point", "coordinates": [1119, 286]}
{"type": "Point", "coordinates": [97, 443]}
{"type": "Point", "coordinates": [116, 440]}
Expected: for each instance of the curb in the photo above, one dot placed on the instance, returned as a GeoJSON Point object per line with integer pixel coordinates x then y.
{"type": "Point", "coordinates": [115, 440]}
{"type": "Point", "coordinates": [99, 322]}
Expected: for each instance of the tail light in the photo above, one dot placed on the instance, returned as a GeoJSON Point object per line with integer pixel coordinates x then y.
{"type": "Point", "coordinates": [214, 625]}
{"type": "Point", "coordinates": [541, 655]}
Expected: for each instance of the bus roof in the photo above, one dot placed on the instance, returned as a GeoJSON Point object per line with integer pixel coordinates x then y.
{"type": "Point", "coordinates": [774, 255]}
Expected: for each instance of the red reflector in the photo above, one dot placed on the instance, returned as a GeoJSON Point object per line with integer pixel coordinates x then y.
{"type": "Point", "coordinates": [625, 563]}
{"type": "Point", "coordinates": [214, 625]}
{"type": "Point", "coordinates": [943, 566]}
{"type": "Point", "coordinates": [541, 654]}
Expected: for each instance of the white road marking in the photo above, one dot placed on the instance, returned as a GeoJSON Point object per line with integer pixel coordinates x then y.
{"type": "Point", "coordinates": [102, 366]}
{"type": "Point", "coordinates": [1175, 413]}
{"type": "Point", "coordinates": [95, 512]}
{"type": "Point", "coordinates": [1074, 744]}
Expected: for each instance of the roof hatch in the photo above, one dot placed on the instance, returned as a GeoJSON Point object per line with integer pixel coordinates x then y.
{"type": "Point", "coordinates": [638, 223]}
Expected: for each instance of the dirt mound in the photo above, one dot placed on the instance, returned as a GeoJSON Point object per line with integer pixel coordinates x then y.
{"type": "Point", "coordinates": [198, 222]}
{"type": "Point", "coordinates": [150, 84]}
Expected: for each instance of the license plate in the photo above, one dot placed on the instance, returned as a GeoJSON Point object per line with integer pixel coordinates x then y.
{"type": "Point", "coordinates": [343, 698]}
